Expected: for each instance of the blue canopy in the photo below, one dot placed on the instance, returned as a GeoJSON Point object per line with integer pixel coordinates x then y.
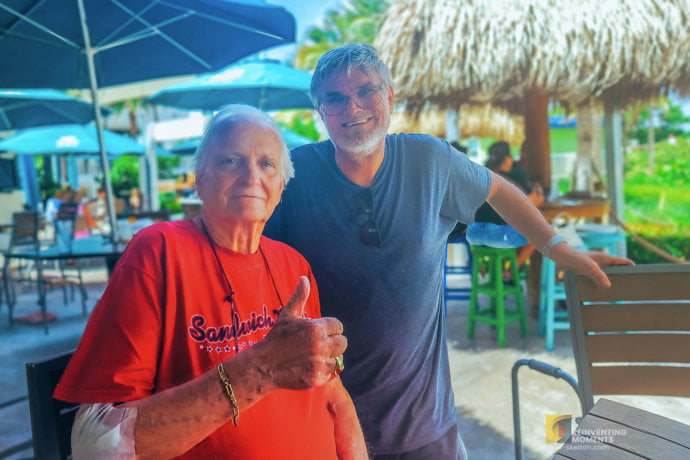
{"type": "Point", "coordinates": [42, 43]}
{"type": "Point", "coordinates": [26, 108]}
{"type": "Point", "coordinates": [189, 146]}
{"type": "Point", "coordinates": [99, 43]}
{"type": "Point", "coordinates": [69, 140]}
{"type": "Point", "coordinates": [267, 84]}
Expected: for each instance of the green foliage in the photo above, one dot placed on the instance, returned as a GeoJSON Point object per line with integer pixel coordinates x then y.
{"type": "Point", "coordinates": [670, 117]}
{"type": "Point", "coordinates": [124, 173]}
{"type": "Point", "coordinates": [304, 126]}
{"type": "Point", "coordinates": [351, 21]}
{"type": "Point", "coordinates": [658, 204]}
{"type": "Point", "coordinates": [563, 140]}
{"type": "Point", "coordinates": [169, 201]}
{"type": "Point", "coordinates": [46, 185]}
{"type": "Point", "coordinates": [672, 240]}
{"type": "Point", "coordinates": [671, 165]}
{"type": "Point", "coordinates": [166, 166]}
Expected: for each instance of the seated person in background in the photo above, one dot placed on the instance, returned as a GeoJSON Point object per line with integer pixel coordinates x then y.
{"type": "Point", "coordinates": [135, 200]}
{"type": "Point", "coordinates": [98, 210]}
{"type": "Point", "coordinates": [459, 147]}
{"type": "Point", "coordinates": [490, 229]}
{"type": "Point", "coordinates": [53, 204]}
{"type": "Point", "coordinates": [199, 348]}
{"type": "Point", "coordinates": [84, 221]}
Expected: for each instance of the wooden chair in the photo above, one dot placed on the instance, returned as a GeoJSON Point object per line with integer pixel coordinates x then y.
{"type": "Point", "coordinates": [51, 420]}
{"type": "Point", "coordinates": [634, 337]}
{"type": "Point", "coordinates": [630, 339]}
{"type": "Point", "coordinates": [24, 229]}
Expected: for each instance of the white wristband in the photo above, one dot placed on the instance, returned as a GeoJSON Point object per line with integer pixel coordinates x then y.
{"type": "Point", "coordinates": [546, 249]}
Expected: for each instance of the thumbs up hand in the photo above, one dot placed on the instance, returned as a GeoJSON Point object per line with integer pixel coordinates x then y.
{"type": "Point", "coordinates": [299, 353]}
{"type": "Point", "coordinates": [295, 306]}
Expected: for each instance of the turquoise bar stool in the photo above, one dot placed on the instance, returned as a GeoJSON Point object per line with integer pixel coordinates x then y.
{"type": "Point", "coordinates": [605, 237]}
{"type": "Point", "coordinates": [493, 261]}
{"type": "Point", "coordinates": [551, 291]}
{"type": "Point", "coordinates": [594, 236]}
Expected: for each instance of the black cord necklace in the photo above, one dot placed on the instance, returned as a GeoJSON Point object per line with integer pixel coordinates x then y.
{"type": "Point", "coordinates": [230, 298]}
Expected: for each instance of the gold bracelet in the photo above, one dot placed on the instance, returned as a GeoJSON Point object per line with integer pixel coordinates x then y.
{"type": "Point", "coordinates": [227, 389]}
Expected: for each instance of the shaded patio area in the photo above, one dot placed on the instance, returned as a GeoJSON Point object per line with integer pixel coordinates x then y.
{"type": "Point", "coordinates": [480, 374]}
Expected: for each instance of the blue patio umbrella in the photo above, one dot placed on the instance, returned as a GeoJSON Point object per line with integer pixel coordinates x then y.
{"type": "Point", "coordinates": [189, 146]}
{"type": "Point", "coordinates": [26, 108]}
{"type": "Point", "coordinates": [69, 140]}
{"type": "Point", "coordinates": [100, 43]}
{"type": "Point", "coordinates": [266, 83]}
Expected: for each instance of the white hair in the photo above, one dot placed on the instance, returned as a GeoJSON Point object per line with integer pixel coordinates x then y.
{"type": "Point", "coordinates": [227, 117]}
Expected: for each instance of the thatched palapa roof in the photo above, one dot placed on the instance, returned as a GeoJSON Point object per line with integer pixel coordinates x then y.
{"type": "Point", "coordinates": [475, 120]}
{"type": "Point", "coordinates": [450, 52]}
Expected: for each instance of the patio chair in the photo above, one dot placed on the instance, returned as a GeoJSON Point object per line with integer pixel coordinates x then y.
{"type": "Point", "coordinates": [634, 337]}
{"type": "Point", "coordinates": [70, 271]}
{"type": "Point", "coordinates": [629, 339]}
{"type": "Point", "coordinates": [51, 420]}
{"type": "Point", "coordinates": [452, 268]}
{"type": "Point", "coordinates": [24, 236]}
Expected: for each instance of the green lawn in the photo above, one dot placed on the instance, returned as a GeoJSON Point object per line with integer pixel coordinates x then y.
{"type": "Point", "coordinates": [563, 140]}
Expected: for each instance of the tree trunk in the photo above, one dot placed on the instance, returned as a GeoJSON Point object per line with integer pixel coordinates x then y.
{"type": "Point", "coordinates": [586, 177]}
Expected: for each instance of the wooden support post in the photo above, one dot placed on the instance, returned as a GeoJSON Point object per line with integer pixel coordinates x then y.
{"type": "Point", "coordinates": [535, 154]}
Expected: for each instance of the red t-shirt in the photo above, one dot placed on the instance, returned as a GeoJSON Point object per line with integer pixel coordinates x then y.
{"type": "Point", "coordinates": [163, 320]}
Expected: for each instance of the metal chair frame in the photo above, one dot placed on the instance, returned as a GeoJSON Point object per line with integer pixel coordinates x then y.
{"type": "Point", "coordinates": [51, 419]}
{"type": "Point", "coordinates": [631, 338]}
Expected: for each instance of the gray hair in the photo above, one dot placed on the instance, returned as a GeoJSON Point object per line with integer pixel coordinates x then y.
{"type": "Point", "coordinates": [348, 58]}
{"type": "Point", "coordinates": [226, 118]}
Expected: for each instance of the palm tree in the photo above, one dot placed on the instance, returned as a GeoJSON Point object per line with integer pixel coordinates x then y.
{"type": "Point", "coordinates": [353, 21]}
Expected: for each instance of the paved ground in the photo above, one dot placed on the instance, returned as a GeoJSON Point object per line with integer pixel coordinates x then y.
{"type": "Point", "coordinates": [23, 343]}
{"type": "Point", "coordinates": [480, 371]}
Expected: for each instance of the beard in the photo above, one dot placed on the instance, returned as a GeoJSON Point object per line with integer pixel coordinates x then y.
{"type": "Point", "coordinates": [361, 145]}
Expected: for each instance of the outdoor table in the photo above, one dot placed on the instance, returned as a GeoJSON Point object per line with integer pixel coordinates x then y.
{"type": "Point", "coordinates": [597, 208]}
{"type": "Point", "coordinates": [85, 248]}
{"type": "Point", "coordinates": [615, 430]}
{"type": "Point", "coordinates": [575, 208]}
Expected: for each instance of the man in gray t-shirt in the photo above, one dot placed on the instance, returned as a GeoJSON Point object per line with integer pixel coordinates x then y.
{"type": "Point", "coordinates": [371, 213]}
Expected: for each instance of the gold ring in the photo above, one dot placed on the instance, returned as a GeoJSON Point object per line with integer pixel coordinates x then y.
{"type": "Point", "coordinates": [339, 365]}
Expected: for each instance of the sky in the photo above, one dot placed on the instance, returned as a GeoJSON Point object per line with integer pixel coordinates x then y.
{"type": "Point", "coordinates": [307, 13]}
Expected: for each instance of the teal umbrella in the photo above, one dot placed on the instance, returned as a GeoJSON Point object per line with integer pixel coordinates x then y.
{"type": "Point", "coordinates": [26, 108]}
{"type": "Point", "coordinates": [69, 140]}
{"type": "Point", "coordinates": [99, 43]}
{"type": "Point", "coordinates": [264, 83]}
{"type": "Point", "coordinates": [189, 146]}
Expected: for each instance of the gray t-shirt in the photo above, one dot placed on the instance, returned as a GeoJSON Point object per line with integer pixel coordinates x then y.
{"type": "Point", "coordinates": [388, 297]}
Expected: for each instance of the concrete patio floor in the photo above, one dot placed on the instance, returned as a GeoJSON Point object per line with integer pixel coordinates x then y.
{"type": "Point", "coordinates": [481, 375]}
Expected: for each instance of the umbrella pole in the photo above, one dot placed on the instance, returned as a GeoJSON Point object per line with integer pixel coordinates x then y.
{"type": "Point", "coordinates": [112, 218]}
{"type": "Point", "coordinates": [262, 98]}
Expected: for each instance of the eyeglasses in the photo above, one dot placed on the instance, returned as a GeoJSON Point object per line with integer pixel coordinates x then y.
{"type": "Point", "coordinates": [366, 97]}
{"type": "Point", "coordinates": [368, 231]}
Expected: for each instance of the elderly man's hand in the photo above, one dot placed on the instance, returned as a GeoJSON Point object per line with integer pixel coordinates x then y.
{"type": "Point", "coordinates": [299, 353]}
{"type": "Point", "coordinates": [586, 262]}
